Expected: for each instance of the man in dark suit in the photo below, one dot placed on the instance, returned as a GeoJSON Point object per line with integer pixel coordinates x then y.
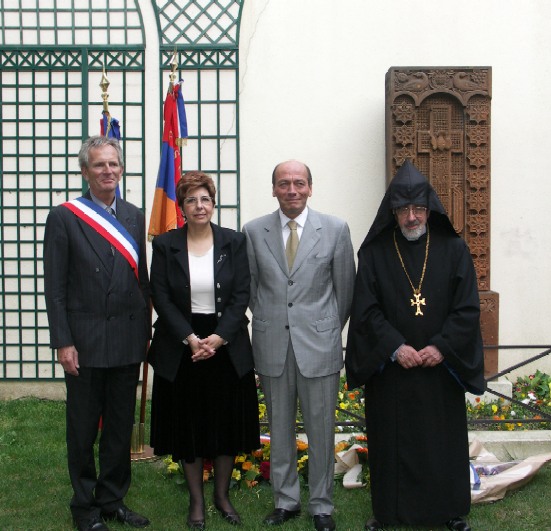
{"type": "Point", "coordinates": [97, 298]}
{"type": "Point", "coordinates": [302, 278]}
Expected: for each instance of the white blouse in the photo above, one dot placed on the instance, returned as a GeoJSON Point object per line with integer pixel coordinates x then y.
{"type": "Point", "coordinates": [201, 273]}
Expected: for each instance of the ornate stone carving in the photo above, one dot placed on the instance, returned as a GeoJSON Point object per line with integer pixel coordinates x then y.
{"type": "Point", "coordinates": [440, 119]}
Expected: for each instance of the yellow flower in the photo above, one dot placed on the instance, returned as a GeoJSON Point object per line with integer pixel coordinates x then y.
{"type": "Point", "coordinates": [236, 474]}
{"type": "Point", "coordinates": [172, 467]}
{"type": "Point", "coordinates": [494, 408]}
{"type": "Point", "coordinates": [302, 462]}
{"type": "Point", "coordinates": [261, 411]}
{"type": "Point", "coordinates": [340, 446]}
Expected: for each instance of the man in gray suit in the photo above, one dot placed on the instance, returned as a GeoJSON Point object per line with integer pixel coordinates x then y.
{"type": "Point", "coordinates": [97, 298]}
{"type": "Point", "coordinates": [302, 277]}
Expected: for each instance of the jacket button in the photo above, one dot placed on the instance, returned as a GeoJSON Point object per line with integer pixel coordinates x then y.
{"type": "Point", "coordinates": [219, 299]}
{"type": "Point", "coordinates": [291, 282]}
{"type": "Point", "coordinates": [218, 285]}
{"type": "Point", "coordinates": [132, 317]}
{"type": "Point", "coordinates": [286, 327]}
{"type": "Point", "coordinates": [219, 314]}
{"type": "Point", "coordinates": [290, 304]}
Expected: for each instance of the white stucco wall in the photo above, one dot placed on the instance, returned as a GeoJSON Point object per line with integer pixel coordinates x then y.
{"type": "Point", "coordinates": [312, 88]}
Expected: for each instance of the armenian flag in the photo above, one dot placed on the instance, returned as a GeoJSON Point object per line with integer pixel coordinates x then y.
{"type": "Point", "coordinates": [165, 214]}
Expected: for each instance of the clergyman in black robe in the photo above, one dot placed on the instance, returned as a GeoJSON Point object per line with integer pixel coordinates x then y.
{"type": "Point", "coordinates": [414, 341]}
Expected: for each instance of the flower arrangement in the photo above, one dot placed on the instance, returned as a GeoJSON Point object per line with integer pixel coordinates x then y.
{"type": "Point", "coordinates": [350, 407]}
{"type": "Point", "coordinates": [252, 469]}
{"type": "Point", "coordinates": [533, 390]}
{"type": "Point", "coordinates": [249, 469]}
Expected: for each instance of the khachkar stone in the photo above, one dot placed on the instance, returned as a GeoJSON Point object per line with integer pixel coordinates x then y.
{"type": "Point", "coordinates": [439, 118]}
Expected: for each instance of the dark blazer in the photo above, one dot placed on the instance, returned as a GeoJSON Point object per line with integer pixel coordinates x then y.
{"type": "Point", "coordinates": [171, 291]}
{"type": "Point", "coordinates": [93, 299]}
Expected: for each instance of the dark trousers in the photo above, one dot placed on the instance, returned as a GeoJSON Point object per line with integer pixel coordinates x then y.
{"type": "Point", "coordinates": [109, 394]}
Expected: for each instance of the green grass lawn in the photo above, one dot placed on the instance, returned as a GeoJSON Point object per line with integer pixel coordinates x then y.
{"type": "Point", "coordinates": [35, 489]}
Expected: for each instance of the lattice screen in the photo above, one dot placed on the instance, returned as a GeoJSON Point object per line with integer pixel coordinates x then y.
{"type": "Point", "coordinates": [51, 56]}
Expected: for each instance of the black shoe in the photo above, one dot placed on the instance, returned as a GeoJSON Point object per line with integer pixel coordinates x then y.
{"type": "Point", "coordinates": [195, 524]}
{"type": "Point", "coordinates": [372, 525]}
{"type": "Point", "coordinates": [324, 522]}
{"type": "Point", "coordinates": [458, 524]}
{"type": "Point", "coordinates": [280, 516]}
{"type": "Point", "coordinates": [231, 518]}
{"type": "Point", "coordinates": [90, 523]}
{"type": "Point", "coordinates": [124, 515]}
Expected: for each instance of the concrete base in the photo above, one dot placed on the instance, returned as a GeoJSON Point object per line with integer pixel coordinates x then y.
{"type": "Point", "coordinates": [505, 387]}
{"type": "Point", "coordinates": [514, 445]}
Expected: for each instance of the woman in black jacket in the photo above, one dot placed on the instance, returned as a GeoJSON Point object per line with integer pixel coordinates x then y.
{"type": "Point", "coordinates": [204, 403]}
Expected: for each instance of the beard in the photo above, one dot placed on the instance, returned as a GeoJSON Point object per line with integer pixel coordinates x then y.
{"type": "Point", "coordinates": [414, 233]}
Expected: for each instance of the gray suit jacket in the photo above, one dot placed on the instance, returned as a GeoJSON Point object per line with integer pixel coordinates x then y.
{"type": "Point", "coordinates": [92, 297]}
{"type": "Point", "coordinates": [310, 304]}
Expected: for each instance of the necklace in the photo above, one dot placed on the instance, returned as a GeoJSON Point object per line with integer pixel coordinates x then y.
{"type": "Point", "coordinates": [419, 300]}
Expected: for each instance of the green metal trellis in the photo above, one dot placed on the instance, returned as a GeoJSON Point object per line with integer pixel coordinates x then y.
{"type": "Point", "coordinates": [51, 60]}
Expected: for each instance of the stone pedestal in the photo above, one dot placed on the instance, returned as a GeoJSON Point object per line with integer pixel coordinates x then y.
{"type": "Point", "coordinates": [489, 322]}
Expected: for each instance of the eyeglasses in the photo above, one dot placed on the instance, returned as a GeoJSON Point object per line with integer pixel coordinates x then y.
{"type": "Point", "coordinates": [417, 210]}
{"type": "Point", "coordinates": [204, 200]}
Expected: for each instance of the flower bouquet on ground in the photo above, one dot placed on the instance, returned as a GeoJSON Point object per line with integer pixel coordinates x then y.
{"type": "Point", "coordinates": [351, 462]}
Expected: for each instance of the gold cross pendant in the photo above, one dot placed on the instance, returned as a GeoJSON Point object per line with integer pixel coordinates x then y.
{"type": "Point", "coordinates": [418, 302]}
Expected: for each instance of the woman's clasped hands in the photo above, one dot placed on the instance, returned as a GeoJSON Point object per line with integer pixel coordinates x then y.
{"type": "Point", "coordinates": [204, 348]}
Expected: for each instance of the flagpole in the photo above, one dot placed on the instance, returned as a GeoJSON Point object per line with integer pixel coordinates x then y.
{"type": "Point", "coordinates": [104, 85]}
{"type": "Point", "coordinates": [139, 450]}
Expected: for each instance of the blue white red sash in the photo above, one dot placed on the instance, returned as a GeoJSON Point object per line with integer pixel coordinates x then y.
{"type": "Point", "coordinates": [107, 226]}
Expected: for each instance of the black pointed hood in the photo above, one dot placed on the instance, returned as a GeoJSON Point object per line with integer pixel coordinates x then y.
{"type": "Point", "coordinates": [409, 186]}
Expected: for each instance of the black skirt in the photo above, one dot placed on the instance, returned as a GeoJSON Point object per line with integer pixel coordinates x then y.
{"type": "Point", "coordinates": [207, 411]}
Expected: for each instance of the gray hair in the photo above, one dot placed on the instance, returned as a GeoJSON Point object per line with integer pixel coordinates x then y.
{"type": "Point", "coordinates": [95, 142]}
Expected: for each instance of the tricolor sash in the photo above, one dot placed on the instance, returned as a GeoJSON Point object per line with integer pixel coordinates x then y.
{"type": "Point", "coordinates": [107, 226]}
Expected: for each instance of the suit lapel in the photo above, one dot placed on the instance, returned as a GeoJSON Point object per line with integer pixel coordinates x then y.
{"type": "Point", "coordinates": [274, 241]}
{"type": "Point", "coordinates": [178, 247]}
{"type": "Point", "coordinates": [309, 239]}
{"type": "Point", "coordinates": [99, 245]}
{"type": "Point", "coordinates": [129, 223]}
{"type": "Point", "coordinates": [220, 251]}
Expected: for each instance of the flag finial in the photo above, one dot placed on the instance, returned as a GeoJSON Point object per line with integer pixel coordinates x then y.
{"type": "Point", "coordinates": [173, 66]}
{"type": "Point", "coordinates": [104, 84]}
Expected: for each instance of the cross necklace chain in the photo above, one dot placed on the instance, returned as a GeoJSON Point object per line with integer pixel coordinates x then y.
{"type": "Point", "coordinates": [419, 300]}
